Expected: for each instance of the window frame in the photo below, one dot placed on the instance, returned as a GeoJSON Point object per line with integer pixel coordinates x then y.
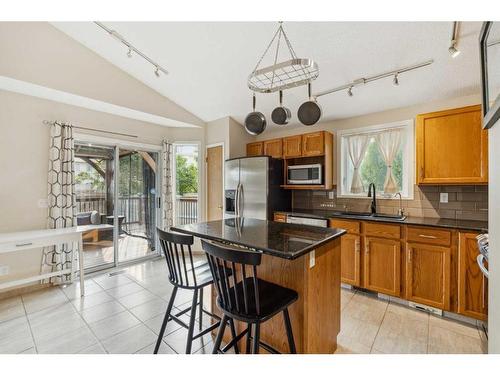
{"type": "Point", "coordinates": [408, 157]}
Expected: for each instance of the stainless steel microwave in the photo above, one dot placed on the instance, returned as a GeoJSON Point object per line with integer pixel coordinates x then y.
{"type": "Point", "coordinates": [310, 174]}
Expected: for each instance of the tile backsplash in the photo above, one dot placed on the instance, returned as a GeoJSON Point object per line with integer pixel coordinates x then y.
{"type": "Point", "coordinates": [464, 202]}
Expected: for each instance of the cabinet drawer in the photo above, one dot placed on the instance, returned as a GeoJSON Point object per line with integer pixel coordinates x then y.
{"type": "Point", "coordinates": [280, 217]}
{"type": "Point", "coordinates": [429, 235]}
{"type": "Point", "coordinates": [382, 230]}
{"type": "Point", "coordinates": [348, 225]}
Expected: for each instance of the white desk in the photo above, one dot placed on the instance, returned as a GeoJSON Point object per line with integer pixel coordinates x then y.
{"type": "Point", "coordinates": [20, 241]}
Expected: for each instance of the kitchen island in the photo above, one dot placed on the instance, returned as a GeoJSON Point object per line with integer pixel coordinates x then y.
{"type": "Point", "coordinates": [303, 258]}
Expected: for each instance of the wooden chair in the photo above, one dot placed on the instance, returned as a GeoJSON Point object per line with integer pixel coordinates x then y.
{"type": "Point", "coordinates": [246, 298]}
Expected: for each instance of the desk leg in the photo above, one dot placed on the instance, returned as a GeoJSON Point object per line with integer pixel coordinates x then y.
{"type": "Point", "coordinates": [80, 260]}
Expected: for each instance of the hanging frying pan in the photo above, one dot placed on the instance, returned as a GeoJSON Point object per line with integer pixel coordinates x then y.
{"type": "Point", "coordinates": [309, 112]}
{"type": "Point", "coordinates": [255, 122]}
{"type": "Point", "coordinates": [281, 115]}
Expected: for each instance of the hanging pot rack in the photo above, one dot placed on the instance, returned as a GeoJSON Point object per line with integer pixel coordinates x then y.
{"type": "Point", "coordinates": [284, 75]}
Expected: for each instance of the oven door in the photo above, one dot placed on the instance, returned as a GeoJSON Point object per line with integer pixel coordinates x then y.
{"type": "Point", "coordinates": [304, 174]}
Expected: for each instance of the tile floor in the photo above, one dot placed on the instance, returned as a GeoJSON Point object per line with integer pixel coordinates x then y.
{"type": "Point", "coordinates": [123, 314]}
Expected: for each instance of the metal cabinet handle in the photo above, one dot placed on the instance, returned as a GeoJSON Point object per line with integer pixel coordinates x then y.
{"type": "Point", "coordinates": [24, 244]}
{"type": "Point", "coordinates": [367, 249]}
{"type": "Point", "coordinates": [409, 255]}
{"type": "Point", "coordinates": [427, 236]}
{"type": "Point", "coordinates": [480, 259]}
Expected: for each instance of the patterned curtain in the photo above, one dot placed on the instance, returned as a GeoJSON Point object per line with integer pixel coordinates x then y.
{"type": "Point", "coordinates": [61, 196]}
{"type": "Point", "coordinates": [167, 185]}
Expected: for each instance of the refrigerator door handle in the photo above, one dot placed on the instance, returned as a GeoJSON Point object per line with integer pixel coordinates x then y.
{"type": "Point", "coordinates": [237, 201]}
{"type": "Point", "coordinates": [241, 198]}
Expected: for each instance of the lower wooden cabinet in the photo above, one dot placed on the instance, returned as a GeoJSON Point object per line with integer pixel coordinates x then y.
{"type": "Point", "coordinates": [472, 284]}
{"type": "Point", "coordinates": [350, 259]}
{"type": "Point", "coordinates": [428, 271]}
{"type": "Point", "coordinates": [382, 265]}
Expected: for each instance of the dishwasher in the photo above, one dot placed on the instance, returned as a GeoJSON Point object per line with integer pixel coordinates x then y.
{"type": "Point", "coordinates": [307, 221]}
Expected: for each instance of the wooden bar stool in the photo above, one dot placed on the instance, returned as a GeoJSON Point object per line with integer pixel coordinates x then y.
{"type": "Point", "coordinates": [184, 273]}
{"type": "Point", "coordinates": [246, 298]}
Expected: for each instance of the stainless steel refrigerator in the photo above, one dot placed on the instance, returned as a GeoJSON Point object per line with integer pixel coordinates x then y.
{"type": "Point", "coordinates": [252, 188]}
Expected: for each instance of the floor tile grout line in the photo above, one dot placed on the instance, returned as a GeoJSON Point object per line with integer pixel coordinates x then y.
{"type": "Point", "coordinates": [29, 325]}
{"type": "Point", "coordinates": [380, 325]}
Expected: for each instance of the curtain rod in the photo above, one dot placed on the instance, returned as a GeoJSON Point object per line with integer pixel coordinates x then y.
{"type": "Point", "coordinates": [94, 130]}
{"type": "Point", "coordinates": [364, 81]}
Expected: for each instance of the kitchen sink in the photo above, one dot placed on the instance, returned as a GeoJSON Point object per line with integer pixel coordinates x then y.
{"type": "Point", "coordinates": [368, 214]}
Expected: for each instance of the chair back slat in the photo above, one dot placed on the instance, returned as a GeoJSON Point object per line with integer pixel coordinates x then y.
{"type": "Point", "coordinates": [181, 269]}
{"type": "Point", "coordinates": [227, 264]}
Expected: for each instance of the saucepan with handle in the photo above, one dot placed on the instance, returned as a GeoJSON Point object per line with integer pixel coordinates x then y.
{"type": "Point", "coordinates": [309, 112]}
{"type": "Point", "coordinates": [255, 122]}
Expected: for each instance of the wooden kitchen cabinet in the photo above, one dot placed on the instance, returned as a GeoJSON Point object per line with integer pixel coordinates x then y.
{"type": "Point", "coordinates": [292, 146]}
{"type": "Point", "coordinates": [472, 284]}
{"type": "Point", "coordinates": [280, 217]}
{"type": "Point", "coordinates": [350, 258]}
{"type": "Point", "coordinates": [452, 147]}
{"type": "Point", "coordinates": [255, 149]}
{"type": "Point", "coordinates": [382, 265]}
{"type": "Point", "coordinates": [313, 144]}
{"type": "Point", "coordinates": [428, 272]}
{"type": "Point", "coordinates": [274, 148]}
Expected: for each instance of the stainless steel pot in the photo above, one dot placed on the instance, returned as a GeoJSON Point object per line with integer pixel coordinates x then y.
{"type": "Point", "coordinates": [255, 122]}
{"type": "Point", "coordinates": [281, 115]}
{"type": "Point", "coordinates": [309, 113]}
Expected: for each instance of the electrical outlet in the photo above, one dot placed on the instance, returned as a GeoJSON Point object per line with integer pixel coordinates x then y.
{"type": "Point", "coordinates": [4, 270]}
{"type": "Point", "coordinates": [331, 195]}
{"type": "Point", "coordinates": [43, 203]}
{"type": "Point", "coordinates": [312, 259]}
{"type": "Point", "coordinates": [443, 198]}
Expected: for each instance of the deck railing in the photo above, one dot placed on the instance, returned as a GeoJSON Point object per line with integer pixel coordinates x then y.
{"type": "Point", "coordinates": [186, 210]}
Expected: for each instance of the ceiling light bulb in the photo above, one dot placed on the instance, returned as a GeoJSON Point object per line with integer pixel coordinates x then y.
{"type": "Point", "coordinates": [157, 72]}
{"type": "Point", "coordinates": [129, 53]}
{"type": "Point", "coordinates": [349, 91]}
{"type": "Point", "coordinates": [454, 52]}
{"type": "Point", "coordinates": [395, 81]}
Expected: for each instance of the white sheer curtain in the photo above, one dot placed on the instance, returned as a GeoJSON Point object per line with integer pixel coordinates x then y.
{"type": "Point", "coordinates": [356, 145]}
{"type": "Point", "coordinates": [166, 185]}
{"type": "Point", "coordinates": [388, 143]}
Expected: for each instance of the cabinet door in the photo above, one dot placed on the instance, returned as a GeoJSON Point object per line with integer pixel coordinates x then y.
{"type": "Point", "coordinates": [472, 284]}
{"type": "Point", "coordinates": [280, 217]}
{"type": "Point", "coordinates": [292, 146]}
{"type": "Point", "coordinates": [428, 274]}
{"type": "Point", "coordinates": [382, 265]}
{"type": "Point", "coordinates": [350, 259]}
{"type": "Point", "coordinates": [273, 148]}
{"type": "Point", "coordinates": [255, 149]}
{"type": "Point", "coordinates": [313, 144]}
{"type": "Point", "coordinates": [452, 147]}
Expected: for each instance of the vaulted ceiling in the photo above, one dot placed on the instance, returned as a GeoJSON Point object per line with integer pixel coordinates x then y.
{"type": "Point", "coordinates": [209, 62]}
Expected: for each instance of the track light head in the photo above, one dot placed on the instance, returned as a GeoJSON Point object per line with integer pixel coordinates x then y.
{"type": "Point", "coordinates": [157, 72]}
{"type": "Point", "coordinates": [454, 52]}
{"type": "Point", "coordinates": [349, 91]}
{"type": "Point", "coordinates": [129, 53]}
{"type": "Point", "coordinates": [395, 81]}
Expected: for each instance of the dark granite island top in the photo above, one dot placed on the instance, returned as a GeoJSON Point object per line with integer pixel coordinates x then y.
{"type": "Point", "coordinates": [288, 241]}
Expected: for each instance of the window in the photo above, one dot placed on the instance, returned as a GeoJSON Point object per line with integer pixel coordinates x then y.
{"type": "Point", "coordinates": [186, 183]}
{"type": "Point", "coordinates": [382, 155]}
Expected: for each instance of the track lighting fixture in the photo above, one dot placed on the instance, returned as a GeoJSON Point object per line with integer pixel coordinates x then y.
{"type": "Point", "coordinates": [349, 91]}
{"type": "Point", "coordinates": [157, 72]}
{"type": "Point", "coordinates": [454, 52]}
{"type": "Point", "coordinates": [395, 81]}
{"type": "Point", "coordinates": [129, 53]}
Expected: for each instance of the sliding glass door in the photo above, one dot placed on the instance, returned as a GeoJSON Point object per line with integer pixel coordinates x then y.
{"type": "Point", "coordinates": [117, 203]}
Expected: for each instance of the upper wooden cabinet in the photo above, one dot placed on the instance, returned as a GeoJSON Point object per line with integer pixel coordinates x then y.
{"type": "Point", "coordinates": [255, 149]}
{"type": "Point", "coordinates": [313, 144]}
{"type": "Point", "coordinates": [428, 271]}
{"type": "Point", "coordinates": [274, 148]}
{"type": "Point", "coordinates": [452, 147]}
{"type": "Point", "coordinates": [472, 284]}
{"type": "Point", "coordinates": [292, 146]}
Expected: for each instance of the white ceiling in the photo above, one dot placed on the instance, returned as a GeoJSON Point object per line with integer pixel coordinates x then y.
{"type": "Point", "coordinates": [209, 62]}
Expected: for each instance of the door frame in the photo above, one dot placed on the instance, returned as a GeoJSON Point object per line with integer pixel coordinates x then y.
{"type": "Point", "coordinates": [211, 145]}
{"type": "Point", "coordinates": [117, 144]}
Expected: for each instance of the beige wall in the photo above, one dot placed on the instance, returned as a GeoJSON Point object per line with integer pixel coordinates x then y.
{"type": "Point", "coordinates": [41, 54]}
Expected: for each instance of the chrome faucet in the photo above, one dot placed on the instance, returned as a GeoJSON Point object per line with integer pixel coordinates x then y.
{"type": "Point", "coordinates": [400, 211]}
{"type": "Point", "coordinates": [373, 206]}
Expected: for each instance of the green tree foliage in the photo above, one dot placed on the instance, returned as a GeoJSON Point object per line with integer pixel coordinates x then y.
{"type": "Point", "coordinates": [93, 177]}
{"type": "Point", "coordinates": [131, 179]}
{"type": "Point", "coordinates": [187, 176]}
{"type": "Point", "coordinates": [373, 168]}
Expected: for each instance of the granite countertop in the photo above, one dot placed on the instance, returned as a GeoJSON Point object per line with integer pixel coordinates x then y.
{"type": "Point", "coordinates": [289, 241]}
{"type": "Point", "coordinates": [481, 226]}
